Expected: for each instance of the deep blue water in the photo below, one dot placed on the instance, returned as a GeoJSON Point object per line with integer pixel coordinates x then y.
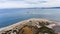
{"type": "Point", "coordinates": [11, 16]}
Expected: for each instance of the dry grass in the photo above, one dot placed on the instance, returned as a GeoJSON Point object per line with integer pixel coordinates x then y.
{"type": "Point", "coordinates": [27, 30]}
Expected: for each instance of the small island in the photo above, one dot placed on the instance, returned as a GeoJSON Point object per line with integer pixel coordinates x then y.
{"type": "Point", "coordinates": [31, 26]}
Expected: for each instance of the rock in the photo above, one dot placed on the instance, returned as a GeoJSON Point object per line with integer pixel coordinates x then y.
{"type": "Point", "coordinates": [31, 26]}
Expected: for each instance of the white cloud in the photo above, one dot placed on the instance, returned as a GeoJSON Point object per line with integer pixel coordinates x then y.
{"type": "Point", "coordinates": [28, 3]}
{"type": "Point", "coordinates": [17, 4]}
{"type": "Point", "coordinates": [53, 3]}
{"type": "Point", "coordinates": [12, 5]}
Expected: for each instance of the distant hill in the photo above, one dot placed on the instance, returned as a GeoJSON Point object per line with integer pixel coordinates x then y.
{"type": "Point", "coordinates": [32, 8]}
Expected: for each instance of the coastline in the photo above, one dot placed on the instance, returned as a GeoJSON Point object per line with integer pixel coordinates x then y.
{"type": "Point", "coordinates": [22, 23]}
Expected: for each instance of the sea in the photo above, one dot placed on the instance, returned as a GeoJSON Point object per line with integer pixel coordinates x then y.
{"type": "Point", "coordinates": [13, 15]}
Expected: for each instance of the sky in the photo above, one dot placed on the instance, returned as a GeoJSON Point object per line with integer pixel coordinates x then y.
{"type": "Point", "coordinates": [29, 3]}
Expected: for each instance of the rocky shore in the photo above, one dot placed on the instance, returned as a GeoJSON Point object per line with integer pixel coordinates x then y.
{"type": "Point", "coordinates": [31, 26]}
